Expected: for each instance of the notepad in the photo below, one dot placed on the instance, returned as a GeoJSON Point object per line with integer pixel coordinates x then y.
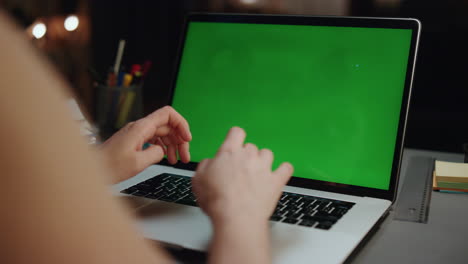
{"type": "Point", "coordinates": [450, 176]}
{"type": "Point", "coordinates": [451, 171]}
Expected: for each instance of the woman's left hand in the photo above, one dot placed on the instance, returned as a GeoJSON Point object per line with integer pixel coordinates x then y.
{"type": "Point", "coordinates": [165, 129]}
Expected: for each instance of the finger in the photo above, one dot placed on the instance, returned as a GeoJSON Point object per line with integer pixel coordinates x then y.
{"type": "Point", "coordinates": [159, 142]}
{"type": "Point", "coordinates": [177, 139]}
{"type": "Point", "coordinates": [283, 173]}
{"type": "Point", "coordinates": [128, 126]}
{"type": "Point", "coordinates": [267, 156]}
{"type": "Point", "coordinates": [167, 116]}
{"type": "Point", "coordinates": [181, 148]}
{"type": "Point", "coordinates": [202, 165]}
{"type": "Point", "coordinates": [184, 152]}
{"type": "Point", "coordinates": [154, 140]}
{"type": "Point", "coordinates": [171, 143]}
{"type": "Point", "coordinates": [153, 154]}
{"type": "Point", "coordinates": [171, 154]}
{"type": "Point", "coordinates": [167, 141]}
{"type": "Point", "coordinates": [234, 140]}
{"type": "Point", "coordinates": [251, 149]}
{"type": "Point", "coordinates": [196, 189]}
{"type": "Point", "coordinates": [172, 140]}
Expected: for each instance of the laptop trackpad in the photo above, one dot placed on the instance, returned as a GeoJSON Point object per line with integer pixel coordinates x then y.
{"type": "Point", "coordinates": [182, 225]}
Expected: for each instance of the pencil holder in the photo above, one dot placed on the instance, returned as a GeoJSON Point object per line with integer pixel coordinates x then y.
{"type": "Point", "coordinates": [116, 106]}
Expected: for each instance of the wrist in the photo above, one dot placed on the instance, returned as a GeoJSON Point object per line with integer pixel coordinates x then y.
{"type": "Point", "coordinates": [240, 240]}
{"type": "Point", "coordinates": [239, 222]}
{"type": "Point", "coordinates": [115, 172]}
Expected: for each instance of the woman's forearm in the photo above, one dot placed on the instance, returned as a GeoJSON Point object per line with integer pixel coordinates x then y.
{"type": "Point", "coordinates": [57, 206]}
{"type": "Point", "coordinates": [241, 242]}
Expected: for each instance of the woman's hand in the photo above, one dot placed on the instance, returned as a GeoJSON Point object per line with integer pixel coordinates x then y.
{"type": "Point", "coordinates": [165, 129]}
{"type": "Point", "coordinates": [239, 182]}
{"type": "Point", "coordinates": [239, 191]}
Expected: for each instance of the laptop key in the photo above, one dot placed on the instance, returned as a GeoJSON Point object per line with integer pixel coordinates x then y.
{"type": "Point", "coordinates": [324, 225]}
{"type": "Point", "coordinates": [178, 196]}
{"type": "Point", "coordinates": [277, 214]}
{"type": "Point", "coordinates": [288, 213]}
{"type": "Point", "coordinates": [276, 218]}
{"type": "Point", "coordinates": [320, 205]}
{"type": "Point", "coordinates": [339, 212]}
{"type": "Point", "coordinates": [290, 221]}
{"type": "Point", "coordinates": [321, 218]}
{"type": "Point", "coordinates": [296, 216]}
{"type": "Point", "coordinates": [167, 198]}
{"type": "Point", "coordinates": [129, 190]}
{"type": "Point", "coordinates": [140, 193]}
{"type": "Point", "coordinates": [154, 181]}
{"type": "Point", "coordinates": [144, 187]}
{"type": "Point", "coordinates": [308, 211]}
{"type": "Point", "coordinates": [344, 206]}
{"type": "Point", "coordinates": [322, 214]}
{"type": "Point", "coordinates": [307, 223]}
{"type": "Point", "coordinates": [152, 196]}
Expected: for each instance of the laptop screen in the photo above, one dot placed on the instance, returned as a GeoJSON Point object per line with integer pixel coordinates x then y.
{"type": "Point", "coordinates": [325, 98]}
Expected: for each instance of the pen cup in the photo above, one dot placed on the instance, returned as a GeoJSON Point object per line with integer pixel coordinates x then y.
{"type": "Point", "coordinates": [116, 106]}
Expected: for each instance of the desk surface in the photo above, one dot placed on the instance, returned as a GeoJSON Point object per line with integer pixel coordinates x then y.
{"type": "Point", "coordinates": [444, 239]}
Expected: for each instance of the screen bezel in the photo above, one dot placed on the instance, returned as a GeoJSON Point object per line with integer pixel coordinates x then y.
{"type": "Point", "coordinates": [397, 23]}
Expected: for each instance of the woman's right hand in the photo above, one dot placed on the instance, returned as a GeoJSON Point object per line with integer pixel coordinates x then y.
{"type": "Point", "coordinates": [238, 184]}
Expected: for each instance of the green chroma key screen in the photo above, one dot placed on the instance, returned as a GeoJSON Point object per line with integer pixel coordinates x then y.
{"type": "Point", "coordinates": [326, 99]}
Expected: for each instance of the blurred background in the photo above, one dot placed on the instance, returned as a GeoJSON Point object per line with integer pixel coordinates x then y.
{"type": "Point", "coordinates": [81, 38]}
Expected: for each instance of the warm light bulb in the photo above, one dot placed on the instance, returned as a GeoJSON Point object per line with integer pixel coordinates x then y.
{"type": "Point", "coordinates": [248, 2]}
{"type": "Point", "coordinates": [39, 30]}
{"type": "Point", "coordinates": [71, 23]}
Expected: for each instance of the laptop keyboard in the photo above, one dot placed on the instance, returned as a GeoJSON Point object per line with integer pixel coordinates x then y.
{"type": "Point", "coordinates": [292, 208]}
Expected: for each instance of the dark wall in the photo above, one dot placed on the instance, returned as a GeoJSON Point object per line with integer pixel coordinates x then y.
{"type": "Point", "coordinates": [152, 30]}
{"type": "Point", "coordinates": [438, 116]}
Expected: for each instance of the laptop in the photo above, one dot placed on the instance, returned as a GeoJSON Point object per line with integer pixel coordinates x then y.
{"type": "Point", "coordinates": [328, 94]}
